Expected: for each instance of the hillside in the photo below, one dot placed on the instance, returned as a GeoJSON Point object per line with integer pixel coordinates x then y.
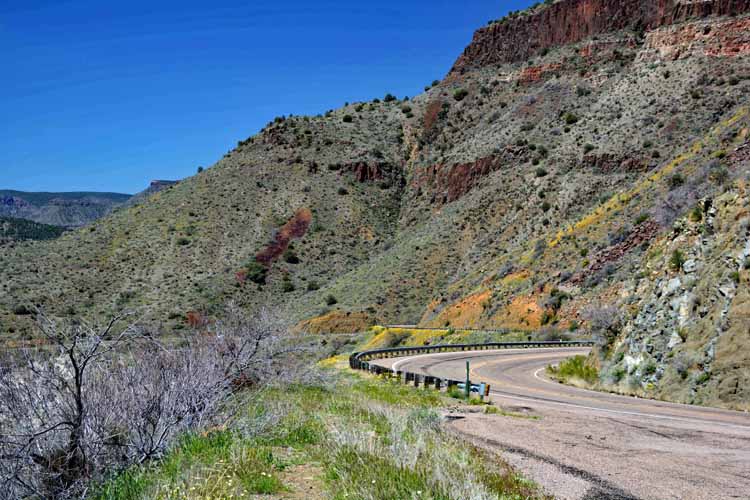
{"type": "Point", "coordinates": [571, 149]}
{"type": "Point", "coordinates": [59, 209]}
{"type": "Point", "coordinates": [20, 229]}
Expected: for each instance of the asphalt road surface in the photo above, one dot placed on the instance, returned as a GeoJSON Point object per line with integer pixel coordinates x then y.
{"type": "Point", "coordinates": [581, 444]}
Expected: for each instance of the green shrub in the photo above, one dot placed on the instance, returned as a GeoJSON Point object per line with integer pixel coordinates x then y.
{"type": "Point", "coordinates": [22, 310]}
{"type": "Point", "coordinates": [676, 181]}
{"type": "Point", "coordinates": [287, 286]}
{"type": "Point", "coordinates": [676, 260]}
{"type": "Point", "coordinates": [574, 368]}
{"type": "Point", "coordinates": [348, 119]}
{"type": "Point", "coordinates": [570, 118]}
{"type": "Point", "coordinates": [735, 275]}
{"type": "Point", "coordinates": [389, 98]}
{"type": "Point", "coordinates": [546, 206]}
{"type": "Point", "coordinates": [312, 286]}
{"type": "Point", "coordinates": [641, 218]}
{"type": "Point", "coordinates": [256, 272]}
{"type": "Point", "coordinates": [587, 148]}
{"type": "Point", "coordinates": [719, 175]}
{"type": "Point", "coordinates": [696, 214]}
{"type": "Point", "coordinates": [331, 300]}
{"type": "Point", "coordinates": [290, 256]}
{"type": "Point", "coordinates": [541, 172]}
{"type": "Point", "coordinates": [183, 241]}
{"type": "Point", "coordinates": [460, 94]}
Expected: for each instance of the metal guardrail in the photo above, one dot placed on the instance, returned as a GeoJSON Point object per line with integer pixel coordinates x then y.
{"type": "Point", "coordinates": [361, 360]}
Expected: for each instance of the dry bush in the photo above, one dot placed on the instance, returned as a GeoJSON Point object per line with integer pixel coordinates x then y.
{"type": "Point", "coordinates": [605, 322]}
{"type": "Point", "coordinates": [102, 398]}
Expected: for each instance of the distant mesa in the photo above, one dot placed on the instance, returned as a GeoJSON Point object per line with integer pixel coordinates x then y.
{"type": "Point", "coordinates": [69, 210]}
{"type": "Point", "coordinates": [154, 187]}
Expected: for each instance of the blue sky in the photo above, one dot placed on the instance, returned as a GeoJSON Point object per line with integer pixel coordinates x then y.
{"type": "Point", "coordinates": [108, 95]}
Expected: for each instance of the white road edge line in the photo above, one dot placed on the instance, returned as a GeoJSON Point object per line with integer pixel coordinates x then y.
{"type": "Point", "coordinates": [536, 376]}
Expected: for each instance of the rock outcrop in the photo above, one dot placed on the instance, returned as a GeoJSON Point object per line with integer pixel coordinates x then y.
{"type": "Point", "coordinates": [570, 21]}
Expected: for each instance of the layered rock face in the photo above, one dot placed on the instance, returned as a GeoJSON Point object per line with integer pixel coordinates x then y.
{"type": "Point", "coordinates": [570, 21]}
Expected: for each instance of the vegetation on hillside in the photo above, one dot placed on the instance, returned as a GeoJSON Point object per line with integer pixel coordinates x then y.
{"type": "Point", "coordinates": [21, 229]}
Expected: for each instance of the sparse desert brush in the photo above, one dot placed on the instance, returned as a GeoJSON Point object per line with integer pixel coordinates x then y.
{"type": "Point", "coordinates": [99, 399]}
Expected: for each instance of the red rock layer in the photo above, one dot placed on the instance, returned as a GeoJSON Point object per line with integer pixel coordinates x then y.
{"type": "Point", "coordinates": [366, 172]}
{"type": "Point", "coordinates": [296, 227]}
{"type": "Point", "coordinates": [609, 163]}
{"type": "Point", "coordinates": [571, 21]}
{"type": "Point", "coordinates": [724, 39]}
{"type": "Point", "coordinates": [535, 73]}
{"type": "Point", "coordinates": [643, 233]}
{"type": "Point", "coordinates": [447, 183]}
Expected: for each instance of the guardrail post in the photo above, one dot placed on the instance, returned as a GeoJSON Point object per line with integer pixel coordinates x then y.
{"type": "Point", "coordinates": [437, 384]}
{"type": "Point", "coordinates": [416, 380]}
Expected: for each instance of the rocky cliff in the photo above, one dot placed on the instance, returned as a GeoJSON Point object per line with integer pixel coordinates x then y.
{"type": "Point", "coordinates": [565, 22]}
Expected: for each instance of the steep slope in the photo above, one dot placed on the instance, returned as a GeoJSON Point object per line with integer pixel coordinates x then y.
{"type": "Point", "coordinates": [59, 209]}
{"type": "Point", "coordinates": [536, 183]}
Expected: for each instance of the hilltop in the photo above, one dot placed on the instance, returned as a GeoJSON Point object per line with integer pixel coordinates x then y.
{"type": "Point", "coordinates": [579, 155]}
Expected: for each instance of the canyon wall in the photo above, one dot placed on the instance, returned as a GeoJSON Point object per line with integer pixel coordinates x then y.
{"type": "Point", "coordinates": [570, 21]}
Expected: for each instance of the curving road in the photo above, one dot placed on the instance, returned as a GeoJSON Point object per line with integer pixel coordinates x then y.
{"type": "Point", "coordinates": [582, 444]}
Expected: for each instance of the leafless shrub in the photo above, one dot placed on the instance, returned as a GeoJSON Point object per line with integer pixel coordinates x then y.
{"type": "Point", "coordinates": [605, 322]}
{"type": "Point", "coordinates": [101, 398]}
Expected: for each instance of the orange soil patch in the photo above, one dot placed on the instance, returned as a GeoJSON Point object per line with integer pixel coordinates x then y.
{"type": "Point", "coordinates": [464, 314]}
{"type": "Point", "coordinates": [337, 322]}
{"type": "Point", "coordinates": [523, 313]}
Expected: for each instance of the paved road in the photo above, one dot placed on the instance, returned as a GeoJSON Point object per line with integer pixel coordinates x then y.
{"type": "Point", "coordinates": [583, 444]}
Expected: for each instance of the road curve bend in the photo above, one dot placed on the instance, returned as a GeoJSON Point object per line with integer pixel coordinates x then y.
{"type": "Point", "coordinates": [587, 444]}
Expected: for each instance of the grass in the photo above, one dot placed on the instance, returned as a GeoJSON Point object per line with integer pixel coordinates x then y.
{"type": "Point", "coordinates": [574, 368]}
{"type": "Point", "coordinates": [360, 437]}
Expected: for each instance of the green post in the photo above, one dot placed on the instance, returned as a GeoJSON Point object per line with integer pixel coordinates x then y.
{"type": "Point", "coordinates": [467, 389]}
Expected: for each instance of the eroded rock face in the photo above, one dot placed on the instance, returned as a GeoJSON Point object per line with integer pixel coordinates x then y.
{"type": "Point", "coordinates": [447, 183]}
{"type": "Point", "coordinates": [729, 38]}
{"type": "Point", "coordinates": [608, 163]}
{"type": "Point", "coordinates": [643, 233]}
{"type": "Point", "coordinates": [574, 20]}
{"type": "Point", "coordinates": [367, 172]}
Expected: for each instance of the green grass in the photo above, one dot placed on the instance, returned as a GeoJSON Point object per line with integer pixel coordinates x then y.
{"type": "Point", "coordinates": [362, 437]}
{"type": "Point", "coordinates": [574, 368]}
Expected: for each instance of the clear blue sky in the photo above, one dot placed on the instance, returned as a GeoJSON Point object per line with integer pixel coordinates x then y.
{"type": "Point", "coordinates": [107, 95]}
